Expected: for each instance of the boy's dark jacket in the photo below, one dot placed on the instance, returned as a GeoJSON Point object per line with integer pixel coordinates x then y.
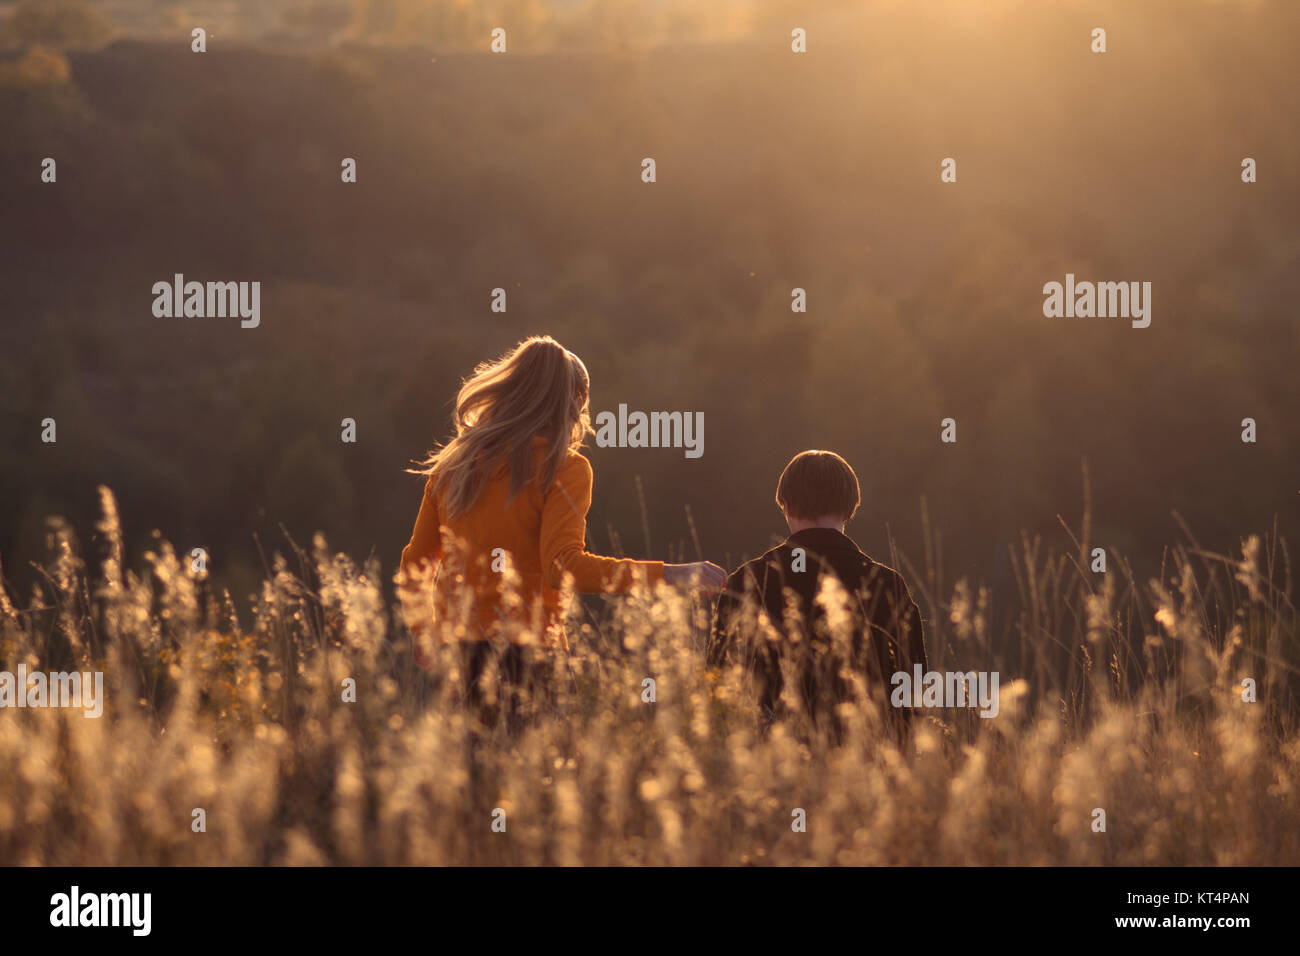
{"type": "Point", "coordinates": [887, 635]}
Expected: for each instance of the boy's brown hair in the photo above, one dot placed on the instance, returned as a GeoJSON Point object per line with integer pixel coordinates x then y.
{"type": "Point", "coordinates": [816, 484]}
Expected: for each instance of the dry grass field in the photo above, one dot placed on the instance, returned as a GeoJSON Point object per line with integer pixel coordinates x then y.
{"type": "Point", "coordinates": [1115, 694]}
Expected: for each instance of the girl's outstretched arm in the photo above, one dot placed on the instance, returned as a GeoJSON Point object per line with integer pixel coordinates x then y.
{"type": "Point", "coordinates": [564, 533]}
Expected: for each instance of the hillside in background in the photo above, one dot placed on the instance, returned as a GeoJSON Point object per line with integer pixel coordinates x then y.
{"type": "Point", "coordinates": [774, 171]}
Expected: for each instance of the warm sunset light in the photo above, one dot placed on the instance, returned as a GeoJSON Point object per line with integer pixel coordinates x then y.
{"type": "Point", "coordinates": [689, 433]}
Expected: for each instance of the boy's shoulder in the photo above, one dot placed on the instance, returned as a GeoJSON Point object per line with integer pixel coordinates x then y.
{"type": "Point", "coordinates": [851, 561]}
{"type": "Point", "coordinates": [756, 570]}
{"type": "Point", "coordinates": [882, 571]}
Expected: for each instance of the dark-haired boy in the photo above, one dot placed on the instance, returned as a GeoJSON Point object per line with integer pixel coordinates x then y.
{"type": "Point", "coordinates": [818, 493]}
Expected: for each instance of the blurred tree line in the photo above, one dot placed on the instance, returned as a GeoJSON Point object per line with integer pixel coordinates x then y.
{"type": "Point", "coordinates": [774, 172]}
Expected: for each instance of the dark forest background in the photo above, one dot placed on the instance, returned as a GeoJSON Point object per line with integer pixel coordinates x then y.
{"type": "Point", "coordinates": [775, 171]}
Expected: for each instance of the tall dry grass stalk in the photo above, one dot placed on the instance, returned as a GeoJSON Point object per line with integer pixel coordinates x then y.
{"type": "Point", "coordinates": [1115, 695]}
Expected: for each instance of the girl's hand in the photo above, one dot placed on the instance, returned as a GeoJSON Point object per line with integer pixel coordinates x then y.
{"type": "Point", "coordinates": [697, 575]}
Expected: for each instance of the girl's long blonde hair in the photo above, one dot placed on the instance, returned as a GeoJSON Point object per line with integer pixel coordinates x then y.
{"type": "Point", "coordinates": [538, 388]}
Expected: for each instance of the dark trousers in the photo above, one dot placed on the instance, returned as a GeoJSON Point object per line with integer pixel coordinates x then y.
{"type": "Point", "coordinates": [511, 683]}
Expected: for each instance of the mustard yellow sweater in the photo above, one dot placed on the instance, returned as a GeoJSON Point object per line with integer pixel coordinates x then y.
{"type": "Point", "coordinates": [540, 534]}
